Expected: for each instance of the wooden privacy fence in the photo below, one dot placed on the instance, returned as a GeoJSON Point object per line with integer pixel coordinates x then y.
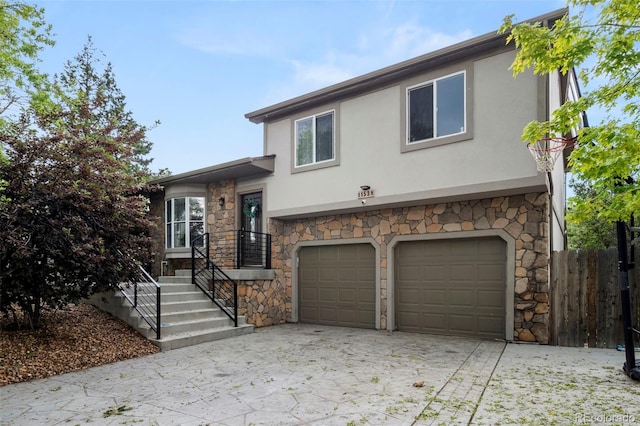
{"type": "Point", "coordinates": [585, 298]}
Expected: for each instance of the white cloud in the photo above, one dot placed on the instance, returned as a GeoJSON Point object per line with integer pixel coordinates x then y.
{"type": "Point", "coordinates": [208, 41]}
{"type": "Point", "coordinates": [371, 50]}
{"type": "Point", "coordinates": [410, 40]}
{"type": "Point", "coordinates": [319, 75]}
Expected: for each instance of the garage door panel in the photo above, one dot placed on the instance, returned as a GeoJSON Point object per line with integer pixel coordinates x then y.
{"type": "Point", "coordinates": [461, 323]}
{"type": "Point", "coordinates": [434, 297]}
{"type": "Point", "coordinates": [488, 323]}
{"type": "Point", "coordinates": [367, 296]}
{"type": "Point", "coordinates": [327, 314]}
{"type": "Point", "coordinates": [409, 296]}
{"type": "Point", "coordinates": [309, 293]}
{"type": "Point", "coordinates": [347, 295]}
{"type": "Point", "coordinates": [344, 286]}
{"type": "Point", "coordinates": [366, 275]}
{"type": "Point", "coordinates": [462, 298]}
{"type": "Point", "coordinates": [462, 250]}
{"type": "Point", "coordinates": [309, 275]}
{"type": "Point", "coordinates": [491, 298]}
{"type": "Point", "coordinates": [327, 275]}
{"type": "Point", "coordinates": [461, 287]}
{"type": "Point", "coordinates": [436, 272]}
{"type": "Point", "coordinates": [326, 295]}
{"type": "Point", "coordinates": [347, 274]}
{"type": "Point", "coordinates": [434, 322]}
{"type": "Point", "coordinates": [490, 272]}
{"type": "Point", "coordinates": [411, 273]}
{"type": "Point", "coordinates": [464, 272]}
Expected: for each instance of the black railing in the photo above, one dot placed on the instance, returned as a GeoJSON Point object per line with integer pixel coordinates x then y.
{"type": "Point", "coordinates": [208, 277]}
{"type": "Point", "coordinates": [143, 293]}
{"type": "Point", "coordinates": [253, 249]}
{"type": "Point", "coordinates": [241, 249]}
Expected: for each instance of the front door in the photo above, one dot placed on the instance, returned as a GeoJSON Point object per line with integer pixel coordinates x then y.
{"type": "Point", "coordinates": [251, 237]}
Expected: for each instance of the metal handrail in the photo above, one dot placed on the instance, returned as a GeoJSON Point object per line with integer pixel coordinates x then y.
{"type": "Point", "coordinates": [211, 280]}
{"type": "Point", "coordinates": [251, 247]}
{"type": "Point", "coordinates": [143, 293]}
{"type": "Point", "coordinates": [235, 249]}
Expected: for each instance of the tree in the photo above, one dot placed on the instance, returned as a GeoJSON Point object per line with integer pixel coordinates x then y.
{"type": "Point", "coordinates": [607, 50]}
{"type": "Point", "coordinates": [23, 34]}
{"type": "Point", "coordinates": [593, 233]}
{"type": "Point", "coordinates": [75, 174]}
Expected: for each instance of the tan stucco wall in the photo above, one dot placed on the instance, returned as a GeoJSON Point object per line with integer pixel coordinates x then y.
{"type": "Point", "coordinates": [371, 129]}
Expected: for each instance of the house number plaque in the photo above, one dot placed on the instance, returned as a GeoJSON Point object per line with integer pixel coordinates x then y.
{"type": "Point", "coordinates": [368, 193]}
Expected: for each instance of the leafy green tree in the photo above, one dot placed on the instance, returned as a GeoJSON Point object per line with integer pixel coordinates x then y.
{"type": "Point", "coordinates": [606, 49]}
{"type": "Point", "coordinates": [594, 232]}
{"type": "Point", "coordinates": [23, 34]}
{"type": "Point", "coordinates": [87, 99]}
{"type": "Point", "coordinates": [75, 174]}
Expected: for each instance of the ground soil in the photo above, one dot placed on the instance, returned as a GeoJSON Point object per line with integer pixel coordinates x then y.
{"type": "Point", "coordinates": [78, 337]}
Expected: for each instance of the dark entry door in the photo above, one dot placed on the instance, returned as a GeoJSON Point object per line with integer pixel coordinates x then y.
{"type": "Point", "coordinates": [251, 237]}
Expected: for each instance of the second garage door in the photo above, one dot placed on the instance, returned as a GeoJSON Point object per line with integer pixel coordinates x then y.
{"type": "Point", "coordinates": [454, 286]}
{"type": "Point", "coordinates": [336, 285]}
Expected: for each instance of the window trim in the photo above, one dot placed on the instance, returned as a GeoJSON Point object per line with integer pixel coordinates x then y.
{"type": "Point", "coordinates": [327, 109]}
{"type": "Point", "coordinates": [466, 69]}
{"type": "Point", "coordinates": [187, 221]}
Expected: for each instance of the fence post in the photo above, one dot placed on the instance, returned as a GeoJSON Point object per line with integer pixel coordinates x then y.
{"type": "Point", "coordinates": [623, 267]}
{"type": "Point", "coordinates": [239, 237]}
{"type": "Point", "coordinates": [158, 305]}
{"type": "Point", "coordinates": [267, 261]}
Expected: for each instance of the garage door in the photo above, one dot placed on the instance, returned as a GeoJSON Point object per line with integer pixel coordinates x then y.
{"type": "Point", "coordinates": [454, 286]}
{"type": "Point", "coordinates": [336, 285]}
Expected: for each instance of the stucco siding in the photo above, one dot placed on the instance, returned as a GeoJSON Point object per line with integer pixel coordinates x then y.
{"type": "Point", "coordinates": [371, 129]}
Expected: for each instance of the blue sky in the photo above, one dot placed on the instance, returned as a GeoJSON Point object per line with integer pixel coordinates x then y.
{"type": "Point", "coordinates": [199, 66]}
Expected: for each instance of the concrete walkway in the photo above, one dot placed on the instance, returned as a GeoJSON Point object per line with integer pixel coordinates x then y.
{"type": "Point", "coordinates": [315, 375]}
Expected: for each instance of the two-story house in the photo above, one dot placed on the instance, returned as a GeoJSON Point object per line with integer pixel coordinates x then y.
{"type": "Point", "coordinates": [403, 199]}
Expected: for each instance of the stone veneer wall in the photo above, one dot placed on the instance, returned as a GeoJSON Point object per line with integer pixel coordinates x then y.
{"type": "Point", "coordinates": [221, 222]}
{"type": "Point", "coordinates": [264, 302]}
{"type": "Point", "coordinates": [524, 217]}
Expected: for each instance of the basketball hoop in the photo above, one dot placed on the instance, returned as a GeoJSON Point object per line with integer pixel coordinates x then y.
{"type": "Point", "coordinates": [547, 150]}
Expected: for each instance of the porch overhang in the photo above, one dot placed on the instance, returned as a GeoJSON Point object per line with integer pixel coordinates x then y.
{"type": "Point", "coordinates": [243, 168]}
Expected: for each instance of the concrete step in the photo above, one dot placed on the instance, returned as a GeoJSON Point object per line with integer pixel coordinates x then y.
{"type": "Point", "coordinates": [182, 296]}
{"type": "Point", "coordinates": [182, 340]}
{"type": "Point", "coordinates": [175, 279]}
{"type": "Point", "coordinates": [177, 287]}
{"type": "Point", "coordinates": [194, 326]}
{"type": "Point", "coordinates": [194, 314]}
{"type": "Point", "coordinates": [188, 316]}
{"type": "Point", "coordinates": [186, 305]}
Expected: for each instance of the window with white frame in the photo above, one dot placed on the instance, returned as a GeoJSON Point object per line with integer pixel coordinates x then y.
{"type": "Point", "coordinates": [314, 139]}
{"type": "Point", "coordinates": [436, 108]}
{"type": "Point", "coordinates": [184, 221]}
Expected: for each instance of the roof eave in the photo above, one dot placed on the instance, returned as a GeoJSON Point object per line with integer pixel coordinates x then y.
{"type": "Point", "coordinates": [242, 168]}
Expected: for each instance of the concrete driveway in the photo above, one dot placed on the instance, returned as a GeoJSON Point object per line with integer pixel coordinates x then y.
{"type": "Point", "coordinates": [305, 374]}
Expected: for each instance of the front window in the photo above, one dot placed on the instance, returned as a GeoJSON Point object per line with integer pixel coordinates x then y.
{"type": "Point", "coordinates": [184, 221]}
{"type": "Point", "coordinates": [314, 139]}
{"type": "Point", "coordinates": [436, 109]}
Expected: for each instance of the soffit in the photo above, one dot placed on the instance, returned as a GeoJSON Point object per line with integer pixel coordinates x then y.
{"type": "Point", "coordinates": [243, 168]}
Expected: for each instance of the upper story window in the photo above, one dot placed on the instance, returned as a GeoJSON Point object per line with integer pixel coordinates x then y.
{"type": "Point", "coordinates": [184, 221]}
{"type": "Point", "coordinates": [315, 139]}
{"type": "Point", "coordinates": [436, 109]}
